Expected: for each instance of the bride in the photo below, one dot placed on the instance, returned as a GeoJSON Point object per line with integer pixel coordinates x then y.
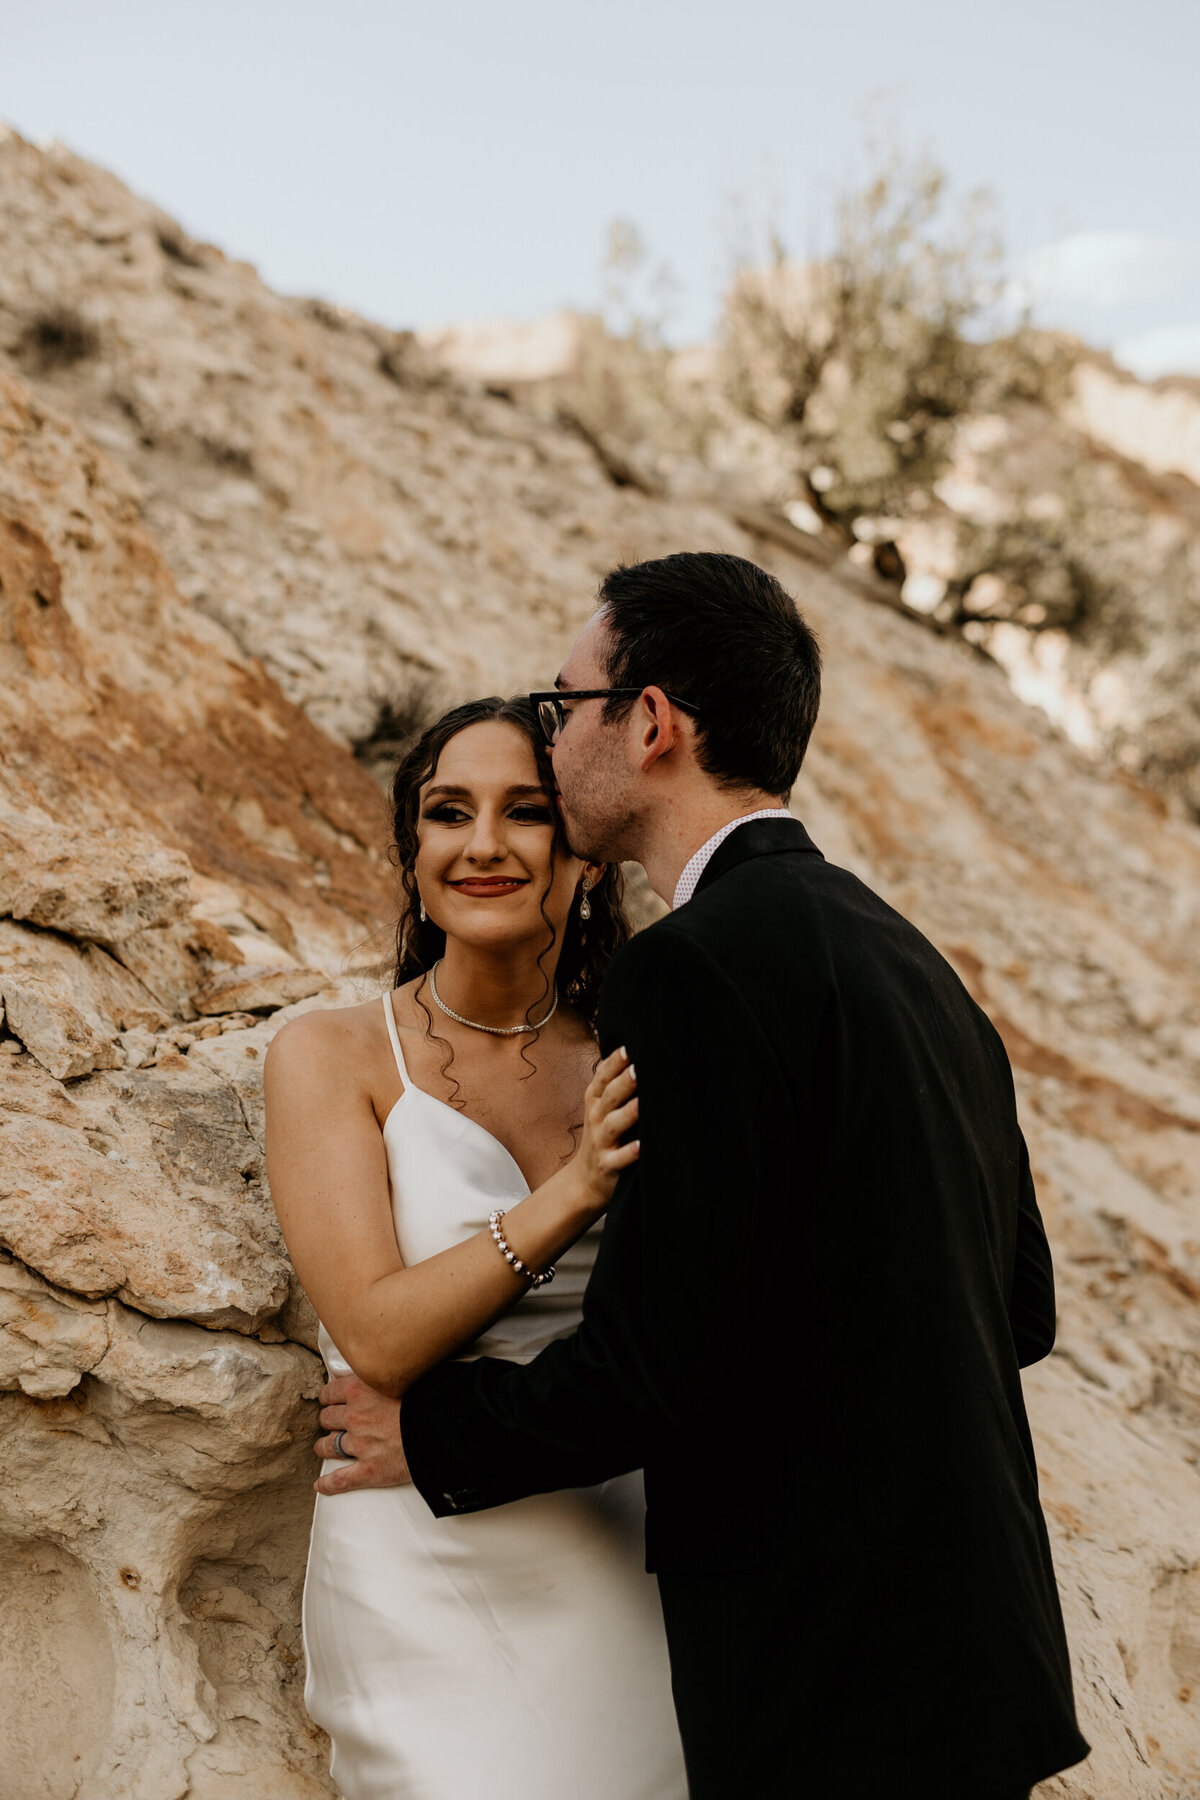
{"type": "Point", "coordinates": [440, 1161]}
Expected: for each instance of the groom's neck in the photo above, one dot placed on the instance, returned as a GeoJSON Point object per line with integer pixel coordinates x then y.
{"type": "Point", "coordinates": [670, 836]}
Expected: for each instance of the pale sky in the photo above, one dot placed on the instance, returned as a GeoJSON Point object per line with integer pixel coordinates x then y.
{"type": "Point", "coordinates": [424, 163]}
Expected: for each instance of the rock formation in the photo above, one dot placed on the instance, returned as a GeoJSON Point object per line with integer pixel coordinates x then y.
{"type": "Point", "coordinates": [173, 831]}
{"type": "Point", "coordinates": [1024, 492]}
{"type": "Point", "coordinates": [239, 533]}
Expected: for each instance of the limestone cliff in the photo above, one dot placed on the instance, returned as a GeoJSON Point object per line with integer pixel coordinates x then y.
{"type": "Point", "coordinates": [238, 533]}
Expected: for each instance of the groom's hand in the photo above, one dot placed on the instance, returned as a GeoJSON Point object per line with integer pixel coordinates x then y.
{"type": "Point", "coordinates": [371, 1426]}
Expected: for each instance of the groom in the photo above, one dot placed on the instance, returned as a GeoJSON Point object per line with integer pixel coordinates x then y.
{"type": "Point", "coordinates": [817, 1285]}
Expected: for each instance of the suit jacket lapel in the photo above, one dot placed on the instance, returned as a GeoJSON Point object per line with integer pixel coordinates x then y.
{"type": "Point", "coordinates": [761, 837]}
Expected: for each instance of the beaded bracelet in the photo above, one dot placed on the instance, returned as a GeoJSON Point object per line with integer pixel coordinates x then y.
{"type": "Point", "coordinates": [510, 1256]}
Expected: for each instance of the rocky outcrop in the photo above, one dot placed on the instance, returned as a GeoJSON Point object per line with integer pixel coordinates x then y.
{"type": "Point", "coordinates": [369, 527]}
{"type": "Point", "coordinates": [1076, 566]}
{"type": "Point", "coordinates": [237, 532]}
{"type": "Point", "coordinates": [164, 814]}
{"type": "Point", "coordinates": [1026, 493]}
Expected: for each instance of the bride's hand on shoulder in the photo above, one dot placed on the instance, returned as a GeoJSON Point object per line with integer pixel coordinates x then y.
{"type": "Point", "coordinates": [610, 1110]}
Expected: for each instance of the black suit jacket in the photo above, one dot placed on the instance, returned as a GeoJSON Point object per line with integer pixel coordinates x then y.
{"type": "Point", "coordinates": [812, 1298]}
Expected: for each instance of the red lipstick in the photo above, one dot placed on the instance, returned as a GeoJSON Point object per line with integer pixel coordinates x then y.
{"type": "Point", "coordinates": [488, 887]}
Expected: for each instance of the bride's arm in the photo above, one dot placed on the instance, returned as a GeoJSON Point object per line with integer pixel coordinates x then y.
{"type": "Point", "coordinates": [328, 1173]}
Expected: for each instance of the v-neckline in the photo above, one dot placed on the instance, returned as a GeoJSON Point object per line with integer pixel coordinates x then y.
{"type": "Point", "coordinates": [465, 1118]}
{"type": "Point", "coordinates": [411, 1086]}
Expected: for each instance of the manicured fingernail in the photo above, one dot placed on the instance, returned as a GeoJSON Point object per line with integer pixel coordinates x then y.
{"type": "Point", "coordinates": [633, 1071]}
{"type": "Point", "coordinates": [623, 1053]}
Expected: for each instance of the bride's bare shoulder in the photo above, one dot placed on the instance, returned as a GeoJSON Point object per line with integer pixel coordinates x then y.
{"type": "Point", "coordinates": [329, 1038]}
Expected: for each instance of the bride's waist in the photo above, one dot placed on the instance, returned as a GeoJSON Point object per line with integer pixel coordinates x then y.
{"type": "Point", "coordinates": [512, 1340]}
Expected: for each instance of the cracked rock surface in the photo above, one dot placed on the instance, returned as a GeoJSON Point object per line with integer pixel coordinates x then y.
{"type": "Point", "coordinates": [232, 528]}
{"type": "Point", "coordinates": [156, 1358]}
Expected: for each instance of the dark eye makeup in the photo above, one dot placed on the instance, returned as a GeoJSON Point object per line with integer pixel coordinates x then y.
{"type": "Point", "coordinates": [528, 812]}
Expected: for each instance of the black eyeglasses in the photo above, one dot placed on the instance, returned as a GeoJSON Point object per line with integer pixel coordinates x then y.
{"type": "Point", "coordinates": [551, 710]}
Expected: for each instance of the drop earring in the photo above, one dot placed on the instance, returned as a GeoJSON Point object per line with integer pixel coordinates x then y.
{"type": "Point", "coordinates": [585, 905]}
{"type": "Point", "coordinates": [421, 905]}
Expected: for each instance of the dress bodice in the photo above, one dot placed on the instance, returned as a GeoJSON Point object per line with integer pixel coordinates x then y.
{"type": "Point", "coordinates": [446, 1172]}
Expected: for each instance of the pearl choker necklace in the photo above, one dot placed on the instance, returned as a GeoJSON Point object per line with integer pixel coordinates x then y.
{"type": "Point", "coordinates": [494, 1030]}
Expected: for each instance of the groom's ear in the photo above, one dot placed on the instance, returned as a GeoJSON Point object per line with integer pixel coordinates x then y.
{"type": "Point", "coordinates": [659, 733]}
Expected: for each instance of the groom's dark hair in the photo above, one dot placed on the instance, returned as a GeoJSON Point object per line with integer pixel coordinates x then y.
{"type": "Point", "coordinates": [719, 632]}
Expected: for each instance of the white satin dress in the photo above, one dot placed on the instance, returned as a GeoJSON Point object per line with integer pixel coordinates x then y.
{"type": "Point", "coordinates": [514, 1654]}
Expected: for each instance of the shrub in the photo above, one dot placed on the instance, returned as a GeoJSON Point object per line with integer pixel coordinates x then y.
{"type": "Point", "coordinates": [58, 337]}
{"type": "Point", "coordinates": [864, 358]}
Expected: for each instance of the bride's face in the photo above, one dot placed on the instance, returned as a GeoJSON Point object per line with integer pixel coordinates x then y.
{"type": "Point", "coordinates": [485, 833]}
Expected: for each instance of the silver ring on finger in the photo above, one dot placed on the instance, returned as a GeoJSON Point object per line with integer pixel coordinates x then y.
{"type": "Point", "coordinates": [340, 1450]}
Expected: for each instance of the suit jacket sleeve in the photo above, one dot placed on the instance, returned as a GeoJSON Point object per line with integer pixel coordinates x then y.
{"type": "Point", "coordinates": [1031, 1306]}
{"type": "Point", "coordinates": [675, 1262]}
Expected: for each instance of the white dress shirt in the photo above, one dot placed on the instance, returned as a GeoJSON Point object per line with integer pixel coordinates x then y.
{"type": "Point", "coordinates": [685, 887]}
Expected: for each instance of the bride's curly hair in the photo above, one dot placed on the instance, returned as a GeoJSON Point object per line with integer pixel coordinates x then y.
{"type": "Point", "coordinates": [587, 949]}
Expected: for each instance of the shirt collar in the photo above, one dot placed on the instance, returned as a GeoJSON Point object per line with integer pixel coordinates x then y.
{"type": "Point", "coordinates": [685, 887]}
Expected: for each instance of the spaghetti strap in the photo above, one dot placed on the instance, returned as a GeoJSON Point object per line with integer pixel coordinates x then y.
{"type": "Point", "coordinates": [390, 1016]}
